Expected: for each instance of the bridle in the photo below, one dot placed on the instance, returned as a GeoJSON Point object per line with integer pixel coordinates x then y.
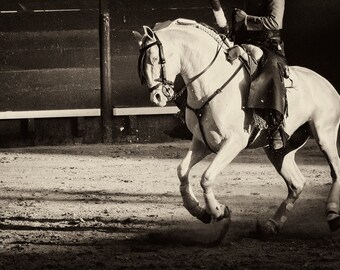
{"type": "Point", "coordinates": [166, 84]}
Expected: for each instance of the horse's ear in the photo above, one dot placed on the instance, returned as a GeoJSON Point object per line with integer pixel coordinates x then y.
{"type": "Point", "coordinates": [149, 32]}
{"type": "Point", "coordinates": [138, 37]}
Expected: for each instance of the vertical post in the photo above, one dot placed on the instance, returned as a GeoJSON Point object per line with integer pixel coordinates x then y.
{"type": "Point", "coordinates": [105, 73]}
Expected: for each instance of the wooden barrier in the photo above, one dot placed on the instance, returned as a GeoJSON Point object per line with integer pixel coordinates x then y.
{"type": "Point", "coordinates": [50, 54]}
{"type": "Point", "coordinates": [10, 115]}
{"type": "Point", "coordinates": [144, 111]}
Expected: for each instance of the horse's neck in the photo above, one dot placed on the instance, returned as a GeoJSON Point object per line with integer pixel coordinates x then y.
{"type": "Point", "coordinates": [197, 52]}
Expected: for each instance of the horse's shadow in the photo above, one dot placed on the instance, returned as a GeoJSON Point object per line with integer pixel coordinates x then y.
{"type": "Point", "coordinates": [191, 234]}
{"type": "Point", "coordinates": [224, 233]}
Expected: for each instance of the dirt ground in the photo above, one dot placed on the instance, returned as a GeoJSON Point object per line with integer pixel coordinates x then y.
{"type": "Point", "coordinates": [119, 207]}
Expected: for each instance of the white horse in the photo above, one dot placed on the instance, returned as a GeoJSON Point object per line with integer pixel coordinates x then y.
{"type": "Point", "coordinates": [219, 122]}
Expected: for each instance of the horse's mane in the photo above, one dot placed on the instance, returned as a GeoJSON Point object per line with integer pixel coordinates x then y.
{"type": "Point", "coordinates": [202, 26]}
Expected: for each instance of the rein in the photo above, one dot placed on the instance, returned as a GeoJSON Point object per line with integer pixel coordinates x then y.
{"type": "Point", "coordinates": [180, 92]}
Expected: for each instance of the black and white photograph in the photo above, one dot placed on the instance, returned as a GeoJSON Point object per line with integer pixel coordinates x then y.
{"type": "Point", "coordinates": [157, 134]}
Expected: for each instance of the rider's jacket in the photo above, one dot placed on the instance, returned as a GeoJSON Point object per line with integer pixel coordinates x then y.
{"type": "Point", "coordinates": [274, 20]}
{"type": "Point", "coordinates": [262, 30]}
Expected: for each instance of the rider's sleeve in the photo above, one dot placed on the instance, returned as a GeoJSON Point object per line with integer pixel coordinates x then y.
{"type": "Point", "coordinates": [273, 21]}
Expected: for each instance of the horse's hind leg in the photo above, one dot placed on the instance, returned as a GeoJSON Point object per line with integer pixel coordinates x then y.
{"type": "Point", "coordinates": [196, 153]}
{"type": "Point", "coordinates": [284, 163]}
{"type": "Point", "coordinates": [326, 137]}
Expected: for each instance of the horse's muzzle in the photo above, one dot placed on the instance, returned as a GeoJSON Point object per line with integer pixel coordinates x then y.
{"type": "Point", "coordinates": [157, 97]}
{"type": "Point", "coordinates": [161, 94]}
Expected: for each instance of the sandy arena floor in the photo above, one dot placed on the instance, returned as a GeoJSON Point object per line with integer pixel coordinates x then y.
{"type": "Point", "coordinates": [119, 207]}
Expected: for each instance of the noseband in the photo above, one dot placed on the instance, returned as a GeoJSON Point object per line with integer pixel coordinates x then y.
{"type": "Point", "coordinates": [167, 85]}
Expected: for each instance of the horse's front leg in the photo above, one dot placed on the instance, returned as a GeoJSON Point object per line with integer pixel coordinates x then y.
{"type": "Point", "coordinates": [196, 153]}
{"type": "Point", "coordinates": [229, 150]}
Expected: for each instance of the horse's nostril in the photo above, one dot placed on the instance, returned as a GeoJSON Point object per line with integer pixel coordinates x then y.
{"type": "Point", "coordinates": [158, 97]}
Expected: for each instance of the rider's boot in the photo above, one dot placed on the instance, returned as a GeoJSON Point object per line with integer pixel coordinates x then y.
{"type": "Point", "coordinates": [276, 132]}
{"type": "Point", "coordinates": [276, 140]}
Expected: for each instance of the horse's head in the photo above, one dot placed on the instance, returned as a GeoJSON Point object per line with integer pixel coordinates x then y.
{"type": "Point", "coordinates": [157, 66]}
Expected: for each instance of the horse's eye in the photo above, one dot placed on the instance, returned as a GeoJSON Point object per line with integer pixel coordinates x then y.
{"type": "Point", "coordinates": [154, 60]}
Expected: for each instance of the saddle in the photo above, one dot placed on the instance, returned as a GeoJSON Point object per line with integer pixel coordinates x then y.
{"type": "Point", "coordinates": [251, 55]}
{"type": "Point", "coordinates": [269, 79]}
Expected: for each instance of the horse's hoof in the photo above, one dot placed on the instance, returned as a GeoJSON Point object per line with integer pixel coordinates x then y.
{"type": "Point", "coordinates": [205, 217]}
{"type": "Point", "coordinates": [334, 224]}
{"type": "Point", "coordinates": [226, 214]}
{"type": "Point", "coordinates": [266, 231]}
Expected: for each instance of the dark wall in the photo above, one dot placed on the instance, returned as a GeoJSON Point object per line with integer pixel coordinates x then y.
{"type": "Point", "coordinates": [49, 55]}
{"type": "Point", "coordinates": [310, 33]}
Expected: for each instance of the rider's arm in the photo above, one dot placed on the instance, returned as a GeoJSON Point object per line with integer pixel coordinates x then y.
{"type": "Point", "coordinates": [273, 21]}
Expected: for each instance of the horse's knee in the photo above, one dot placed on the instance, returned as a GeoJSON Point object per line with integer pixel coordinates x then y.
{"type": "Point", "coordinates": [206, 182]}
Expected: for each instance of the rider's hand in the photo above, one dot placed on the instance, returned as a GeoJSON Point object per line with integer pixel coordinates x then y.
{"type": "Point", "coordinates": [233, 53]}
{"type": "Point", "coordinates": [240, 15]}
